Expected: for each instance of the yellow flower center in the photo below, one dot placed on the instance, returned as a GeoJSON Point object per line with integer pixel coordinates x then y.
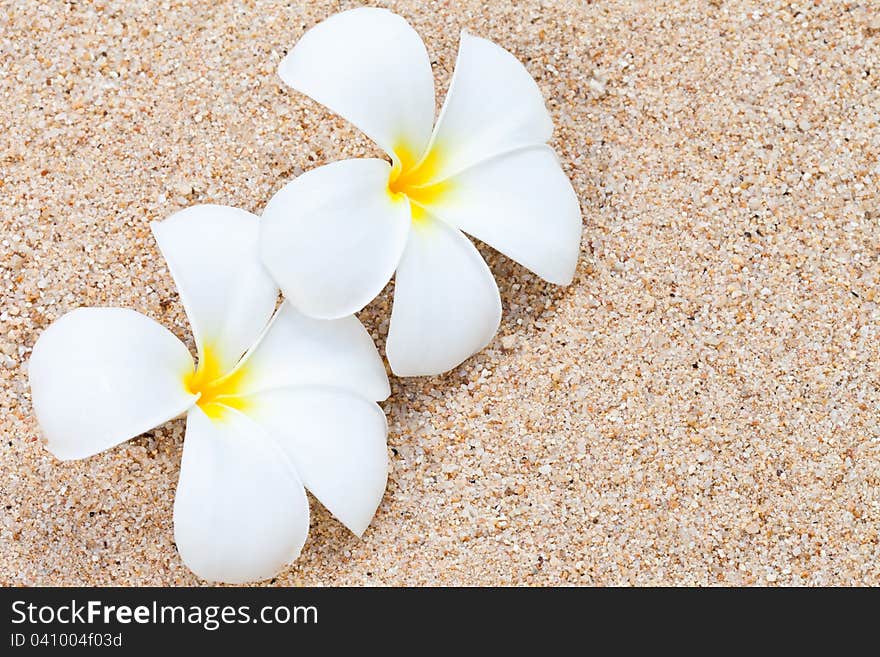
{"type": "Point", "coordinates": [414, 178]}
{"type": "Point", "coordinates": [219, 391]}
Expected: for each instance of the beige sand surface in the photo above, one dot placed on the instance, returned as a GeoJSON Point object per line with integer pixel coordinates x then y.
{"type": "Point", "coordinates": [699, 407]}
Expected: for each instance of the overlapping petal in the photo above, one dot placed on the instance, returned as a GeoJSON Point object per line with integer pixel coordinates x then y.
{"type": "Point", "coordinates": [308, 383]}
{"type": "Point", "coordinates": [336, 441]}
{"type": "Point", "coordinates": [240, 513]}
{"type": "Point", "coordinates": [100, 376]}
{"type": "Point", "coordinates": [298, 350]}
{"type": "Point", "coordinates": [522, 204]}
{"type": "Point", "coordinates": [446, 302]}
{"type": "Point", "coordinates": [333, 236]}
{"type": "Point", "coordinates": [493, 106]}
{"type": "Point", "coordinates": [228, 295]}
{"type": "Point", "coordinates": [369, 66]}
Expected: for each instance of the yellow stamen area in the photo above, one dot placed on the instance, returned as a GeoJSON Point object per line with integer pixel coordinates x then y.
{"type": "Point", "coordinates": [413, 178]}
{"type": "Point", "coordinates": [219, 391]}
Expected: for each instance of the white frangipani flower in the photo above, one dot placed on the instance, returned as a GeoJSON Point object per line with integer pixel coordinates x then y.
{"type": "Point", "coordinates": [277, 403]}
{"type": "Point", "coordinates": [333, 237]}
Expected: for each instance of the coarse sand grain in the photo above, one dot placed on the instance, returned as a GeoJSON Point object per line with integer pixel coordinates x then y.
{"type": "Point", "coordinates": [699, 407]}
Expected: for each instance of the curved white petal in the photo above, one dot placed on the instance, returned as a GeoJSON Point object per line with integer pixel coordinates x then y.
{"type": "Point", "coordinates": [298, 350]}
{"type": "Point", "coordinates": [241, 513]}
{"type": "Point", "coordinates": [446, 303]}
{"type": "Point", "coordinates": [100, 376]}
{"type": "Point", "coordinates": [522, 204]}
{"type": "Point", "coordinates": [228, 296]}
{"type": "Point", "coordinates": [493, 106]}
{"type": "Point", "coordinates": [333, 237]}
{"type": "Point", "coordinates": [336, 442]}
{"type": "Point", "coordinates": [369, 66]}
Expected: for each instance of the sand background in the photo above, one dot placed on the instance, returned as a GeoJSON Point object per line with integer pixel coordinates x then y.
{"type": "Point", "coordinates": [699, 407]}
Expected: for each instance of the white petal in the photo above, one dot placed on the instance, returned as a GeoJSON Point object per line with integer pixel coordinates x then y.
{"type": "Point", "coordinates": [369, 66]}
{"type": "Point", "coordinates": [336, 442]}
{"type": "Point", "coordinates": [241, 513]}
{"type": "Point", "coordinates": [299, 350]}
{"type": "Point", "coordinates": [522, 204]}
{"type": "Point", "coordinates": [493, 106]}
{"type": "Point", "coordinates": [333, 237]}
{"type": "Point", "coordinates": [228, 296]}
{"type": "Point", "coordinates": [446, 303]}
{"type": "Point", "coordinates": [100, 376]}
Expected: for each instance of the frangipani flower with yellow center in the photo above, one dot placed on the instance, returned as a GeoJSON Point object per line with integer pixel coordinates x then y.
{"type": "Point", "coordinates": [333, 237]}
{"type": "Point", "coordinates": [279, 401]}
